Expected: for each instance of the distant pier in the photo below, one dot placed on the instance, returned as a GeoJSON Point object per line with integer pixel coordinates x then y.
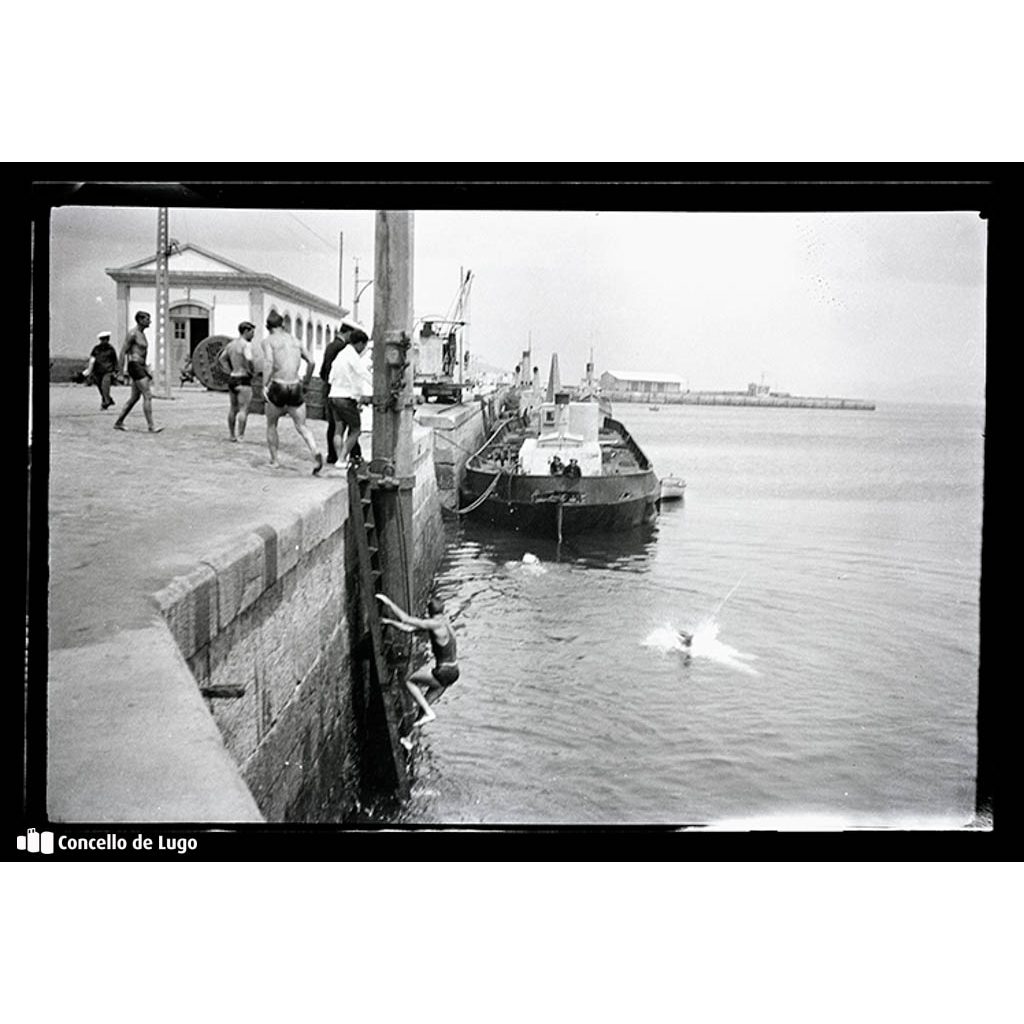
{"type": "Point", "coordinates": [739, 398]}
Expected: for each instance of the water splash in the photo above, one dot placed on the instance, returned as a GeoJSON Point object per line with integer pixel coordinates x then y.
{"type": "Point", "coordinates": [530, 564]}
{"type": "Point", "coordinates": [704, 644]}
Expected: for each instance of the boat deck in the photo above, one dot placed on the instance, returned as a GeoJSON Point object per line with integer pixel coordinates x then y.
{"type": "Point", "coordinates": [616, 454]}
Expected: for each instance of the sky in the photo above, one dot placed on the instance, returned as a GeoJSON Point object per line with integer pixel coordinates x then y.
{"type": "Point", "coordinates": [879, 306]}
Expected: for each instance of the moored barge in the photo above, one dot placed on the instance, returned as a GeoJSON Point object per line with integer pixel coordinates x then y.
{"type": "Point", "coordinates": [571, 469]}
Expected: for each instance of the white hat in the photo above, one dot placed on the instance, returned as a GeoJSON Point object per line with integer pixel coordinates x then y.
{"type": "Point", "coordinates": [103, 334]}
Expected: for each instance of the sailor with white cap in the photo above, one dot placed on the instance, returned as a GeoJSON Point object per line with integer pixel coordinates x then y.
{"type": "Point", "coordinates": [101, 367]}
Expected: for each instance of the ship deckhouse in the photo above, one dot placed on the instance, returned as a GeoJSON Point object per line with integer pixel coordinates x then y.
{"type": "Point", "coordinates": [570, 430]}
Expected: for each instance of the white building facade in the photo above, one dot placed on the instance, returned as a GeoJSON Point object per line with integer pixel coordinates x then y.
{"type": "Point", "coordinates": [211, 295]}
{"type": "Point", "coordinates": [643, 383]}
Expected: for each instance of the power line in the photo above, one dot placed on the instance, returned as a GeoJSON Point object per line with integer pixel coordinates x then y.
{"type": "Point", "coordinates": [329, 245]}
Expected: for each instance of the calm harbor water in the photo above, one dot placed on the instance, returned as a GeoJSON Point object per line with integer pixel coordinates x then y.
{"type": "Point", "coordinates": [828, 564]}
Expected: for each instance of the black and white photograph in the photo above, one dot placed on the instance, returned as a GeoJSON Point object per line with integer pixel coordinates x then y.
{"type": "Point", "coordinates": [659, 507]}
{"type": "Point", "coordinates": [513, 497]}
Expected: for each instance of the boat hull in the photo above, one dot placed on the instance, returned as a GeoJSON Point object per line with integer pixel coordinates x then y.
{"type": "Point", "coordinates": [557, 505]}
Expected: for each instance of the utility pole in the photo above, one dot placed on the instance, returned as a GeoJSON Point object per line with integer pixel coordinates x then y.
{"type": "Point", "coordinates": [163, 289]}
{"type": "Point", "coordinates": [392, 467]}
{"type": "Point", "coordinates": [393, 401]}
{"type": "Point", "coordinates": [341, 264]}
{"type": "Point", "coordinates": [357, 291]}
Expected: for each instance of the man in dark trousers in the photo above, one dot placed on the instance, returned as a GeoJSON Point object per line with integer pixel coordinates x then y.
{"type": "Point", "coordinates": [340, 340]}
{"type": "Point", "coordinates": [350, 386]}
{"type": "Point", "coordinates": [102, 367]}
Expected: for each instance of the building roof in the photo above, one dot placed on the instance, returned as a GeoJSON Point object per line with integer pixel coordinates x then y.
{"type": "Point", "coordinates": [656, 378]}
{"type": "Point", "coordinates": [178, 256]}
{"type": "Point", "coordinates": [198, 266]}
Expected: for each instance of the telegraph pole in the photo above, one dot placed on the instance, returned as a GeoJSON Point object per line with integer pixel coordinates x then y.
{"type": "Point", "coordinates": [392, 468]}
{"type": "Point", "coordinates": [357, 291]}
{"type": "Point", "coordinates": [393, 401]}
{"type": "Point", "coordinates": [163, 289]}
{"type": "Point", "coordinates": [341, 264]}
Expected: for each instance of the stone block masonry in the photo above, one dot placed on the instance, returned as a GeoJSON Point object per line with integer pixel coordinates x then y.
{"type": "Point", "coordinates": [266, 628]}
{"type": "Point", "coordinates": [458, 432]}
{"type": "Point", "coordinates": [268, 617]}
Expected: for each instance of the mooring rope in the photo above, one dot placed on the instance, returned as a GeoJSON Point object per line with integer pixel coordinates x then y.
{"type": "Point", "coordinates": [483, 497]}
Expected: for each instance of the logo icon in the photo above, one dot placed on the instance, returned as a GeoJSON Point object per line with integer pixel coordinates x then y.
{"type": "Point", "coordinates": [36, 842]}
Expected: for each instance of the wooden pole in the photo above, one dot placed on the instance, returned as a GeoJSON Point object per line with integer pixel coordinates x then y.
{"type": "Point", "coordinates": [341, 264]}
{"type": "Point", "coordinates": [393, 401]}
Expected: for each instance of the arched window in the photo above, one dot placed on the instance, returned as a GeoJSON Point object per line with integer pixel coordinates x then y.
{"type": "Point", "coordinates": [298, 327]}
{"type": "Point", "coordinates": [319, 335]}
{"type": "Point", "coordinates": [309, 333]}
{"type": "Point", "coordinates": [288, 322]}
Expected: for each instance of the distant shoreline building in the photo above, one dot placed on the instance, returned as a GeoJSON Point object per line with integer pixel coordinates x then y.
{"type": "Point", "coordinates": [644, 383]}
{"type": "Point", "coordinates": [668, 389]}
{"type": "Point", "coordinates": [211, 295]}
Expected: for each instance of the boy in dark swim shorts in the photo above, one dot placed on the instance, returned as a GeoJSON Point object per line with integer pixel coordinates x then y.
{"type": "Point", "coordinates": [286, 396]}
{"type": "Point", "coordinates": [434, 681]}
{"type": "Point", "coordinates": [133, 355]}
{"type": "Point", "coordinates": [282, 355]}
{"type": "Point", "coordinates": [235, 359]}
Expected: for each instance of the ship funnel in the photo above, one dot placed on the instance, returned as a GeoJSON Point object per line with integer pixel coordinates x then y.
{"type": "Point", "coordinates": [554, 381]}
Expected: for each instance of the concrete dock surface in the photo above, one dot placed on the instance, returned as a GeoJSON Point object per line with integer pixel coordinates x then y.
{"type": "Point", "coordinates": [128, 512]}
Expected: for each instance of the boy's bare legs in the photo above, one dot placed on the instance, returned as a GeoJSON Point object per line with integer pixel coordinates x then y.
{"type": "Point", "coordinates": [244, 398]}
{"type": "Point", "coordinates": [299, 419]}
{"type": "Point", "coordinates": [417, 695]}
{"type": "Point", "coordinates": [273, 414]}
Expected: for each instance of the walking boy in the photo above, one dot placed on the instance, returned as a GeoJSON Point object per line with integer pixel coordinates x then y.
{"type": "Point", "coordinates": [133, 358]}
{"type": "Point", "coordinates": [282, 354]}
{"type": "Point", "coordinates": [235, 359]}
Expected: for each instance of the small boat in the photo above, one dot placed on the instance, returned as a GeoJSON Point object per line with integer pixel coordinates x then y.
{"type": "Point", "coordinates": [654, 408]}
{"type": "Point", "coordinates": [672, 488]}
{"type": "Point", "coordinates": [572, 469]}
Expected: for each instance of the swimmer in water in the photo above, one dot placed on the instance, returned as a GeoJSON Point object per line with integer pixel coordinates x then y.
{"type": "Point", "coordinates": [684, 638]}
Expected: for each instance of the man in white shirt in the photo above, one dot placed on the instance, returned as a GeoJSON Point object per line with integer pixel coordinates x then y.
{"type": "Point", "coordinates": [351, 383]}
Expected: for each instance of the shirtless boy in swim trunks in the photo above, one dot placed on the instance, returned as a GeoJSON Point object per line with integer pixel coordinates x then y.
{"type": "Point", "coordinates": [283, 390]}
{"type": "Point", "coordinates": [133, 358]}
{"type": "Point", "coordinates": [235, 360]}
{"type": "Point", "coordinates": [442, 642]}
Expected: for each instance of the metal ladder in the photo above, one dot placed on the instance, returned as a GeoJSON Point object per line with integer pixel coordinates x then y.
{"type": "Point", "coordinates": [383, 672]}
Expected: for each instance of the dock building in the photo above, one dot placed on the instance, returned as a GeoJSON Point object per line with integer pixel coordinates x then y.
{"type": "Point", "coordinates": [642, 383]}
{"type": "Point", "coordinates": [211, 295]}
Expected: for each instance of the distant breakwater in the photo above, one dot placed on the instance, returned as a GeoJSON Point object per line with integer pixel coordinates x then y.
{"type": "Point", "coordinates": [739, 398]}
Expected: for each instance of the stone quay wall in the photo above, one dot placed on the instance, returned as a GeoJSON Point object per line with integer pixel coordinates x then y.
{"type": "Point", "coordinates": [459, 430]}
{"type": "Point", "coordinates": [267, 629]}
